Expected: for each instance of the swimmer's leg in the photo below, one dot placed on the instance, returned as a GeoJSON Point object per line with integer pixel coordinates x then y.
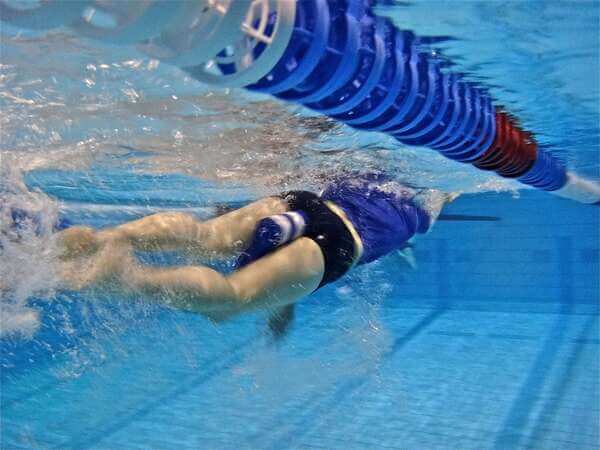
{"type": "Point", "coordinates": [176, 230]}
{"type": "Point", "coordinates": [277, 279]}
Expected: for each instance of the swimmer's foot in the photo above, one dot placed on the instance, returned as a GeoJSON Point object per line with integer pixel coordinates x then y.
{"type": "Point", "coordinates": [77, 242]}
{"type": "Point", "coordinates": [107, 266]}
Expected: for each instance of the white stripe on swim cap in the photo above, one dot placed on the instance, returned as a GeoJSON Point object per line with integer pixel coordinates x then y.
{"type": "Point", "coordinates": [284, 225]}
{"type": "Point", "coordinates": [299, 223]}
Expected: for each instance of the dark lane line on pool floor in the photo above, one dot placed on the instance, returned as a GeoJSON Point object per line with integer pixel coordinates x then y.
{"type": "Point", "coordinates": [319, 407]}
{"type": "Point", "coordinates": [562, 383]}
{"type": "Point", "coordinates": [93, 438]}
{"type": "Point", "coordinates": [510, 434]}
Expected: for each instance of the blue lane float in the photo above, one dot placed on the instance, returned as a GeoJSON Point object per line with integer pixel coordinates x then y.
{"type": "Point", "coordinates": [363, 71]}
{"type": "Point", "coordinates": [335, 57]}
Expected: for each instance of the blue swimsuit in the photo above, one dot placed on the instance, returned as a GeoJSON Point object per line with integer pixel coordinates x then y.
{"type": "Point", "coordinates": [382, 212]}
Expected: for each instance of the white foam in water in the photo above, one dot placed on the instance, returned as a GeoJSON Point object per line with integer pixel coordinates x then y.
{"type": "Point", "coordinates": [27, 259]}
{"type": "Point", "coordinates": [18, 320]}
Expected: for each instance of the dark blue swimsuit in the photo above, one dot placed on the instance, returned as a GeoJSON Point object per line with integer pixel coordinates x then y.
{"type": "Point", "coordinates": [383, 214]}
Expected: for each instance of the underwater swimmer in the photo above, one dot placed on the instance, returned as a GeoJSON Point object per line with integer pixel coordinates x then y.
{"type": "Point", "coordinates": [288, 246]}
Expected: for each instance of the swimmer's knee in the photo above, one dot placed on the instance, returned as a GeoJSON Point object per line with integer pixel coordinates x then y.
{"type": "Point", "coordinates": [173, 222]}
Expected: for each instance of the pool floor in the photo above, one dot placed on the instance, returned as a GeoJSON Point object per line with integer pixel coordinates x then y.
{"type": "Point", "coordinates": [448, 378]}
{"type": "Point", "coordinates": [493, 343]}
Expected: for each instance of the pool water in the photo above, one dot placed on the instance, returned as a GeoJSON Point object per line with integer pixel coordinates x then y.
{"type": "Point", "coordinates": [491, 342]}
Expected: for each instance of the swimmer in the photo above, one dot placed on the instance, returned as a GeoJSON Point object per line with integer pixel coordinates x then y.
{"type": "Point", "coordinates": [287, 246]}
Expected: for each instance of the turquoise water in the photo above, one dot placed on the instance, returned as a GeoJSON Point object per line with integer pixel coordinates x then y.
{"type": "Point", "coordinates": [492, 342]}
